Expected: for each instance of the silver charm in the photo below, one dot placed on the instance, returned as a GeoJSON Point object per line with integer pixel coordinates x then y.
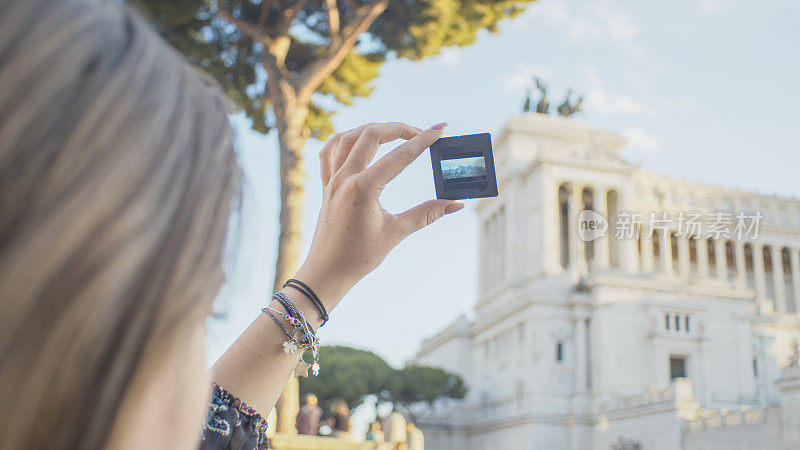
{"type": "Point", "coordinates": [299, 335]}
{"type": "Point", "coordinates": [302, 337]}
{"type": "Point", "coordinates": [301, 369]}
{"type": "Point", "coordinates": [289, 347]}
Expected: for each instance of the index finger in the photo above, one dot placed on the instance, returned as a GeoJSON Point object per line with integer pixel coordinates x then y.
{"type": "Point", "coordinates": [373, 136]}
{"type": "Point", "coordinates": [392, 163]}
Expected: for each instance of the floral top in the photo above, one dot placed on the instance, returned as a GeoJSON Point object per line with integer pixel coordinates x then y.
{"type": "Point", "coordinates": [231, 424]}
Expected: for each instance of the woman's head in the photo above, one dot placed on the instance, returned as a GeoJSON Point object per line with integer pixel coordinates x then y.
{"type": "Point", "coordinates": [117, 176]}
{"type": "Point", "coordinates": [340, 407]}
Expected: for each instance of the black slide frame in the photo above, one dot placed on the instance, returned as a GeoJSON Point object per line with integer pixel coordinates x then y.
{"type": "Point", "coordinates": [471, 145]}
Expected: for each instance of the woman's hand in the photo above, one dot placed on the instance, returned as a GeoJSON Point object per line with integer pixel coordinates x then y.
{"type": "Point", "coordinates": [354, 233]}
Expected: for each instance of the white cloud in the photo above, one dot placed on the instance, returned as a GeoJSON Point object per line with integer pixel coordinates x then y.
{"type": "Point", "coordinates": [523, 75]}
{"type": "Point", "coordinates": [604, 103]}
{"type": "Point", "coordinates": [619, 25]}
{"type": "Point", "coordinates": [641, 140]}
{"type": "Point", "coordinates": [591, 75]}
{"type": "Point", "coordinates": [710, 7]}
{"type": "Point", "coordinates": [598, 21]}
{"type": "Point", "coordinates": [680, 102]}
{"type": "Point", "coordinates": [556, 10]}
{"type": "Point", "coordinates": [636, 78]}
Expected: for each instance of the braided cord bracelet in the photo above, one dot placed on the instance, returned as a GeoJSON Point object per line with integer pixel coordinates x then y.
{"type": "Point", "coordinates": [290, 346]}
{"type": "Point", "coordinates": [302, 334]}
{"type": "Point", "coordinates": [309, 339]}
{"type": "Point", "coordinates": [311, 295]}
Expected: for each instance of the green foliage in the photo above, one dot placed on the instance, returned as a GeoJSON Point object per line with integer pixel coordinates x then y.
{"type": "Point", "coordinates": [194, 29]}
{"type": "Point", "coordinates": [347, 374]}
{"type": "Point", "coordinates": [425, 384]}
{"type": "Point", "coordinates": [412, 29]}
{"type": "Point", "coordinates": [347, 80]}
{"type": "Point", "coordinates": [351, 374]}
{"type": "Point", "coordinates": [417, 29]}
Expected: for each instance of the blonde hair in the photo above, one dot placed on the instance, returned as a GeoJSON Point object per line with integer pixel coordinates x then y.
{"type": "Point", "coordinates": [117, 180]}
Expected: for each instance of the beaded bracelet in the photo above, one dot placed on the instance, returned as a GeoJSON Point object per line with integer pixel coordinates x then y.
{"type": "Point", "coordinates": [309, 337]}
{"type": "Point", "coordinates": [290, 346]}
{"type": "Point", "coordinates": [302, 334]}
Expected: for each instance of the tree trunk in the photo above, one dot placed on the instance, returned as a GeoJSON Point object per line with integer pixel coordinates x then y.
{"type": "Point", "coordinates": [290, 117]}
{"type": "Point", "coordinates": [290, 123]}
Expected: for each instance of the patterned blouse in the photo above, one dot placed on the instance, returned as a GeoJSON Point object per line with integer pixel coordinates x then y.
{"type": "Point", "coordinates": [231, 424]}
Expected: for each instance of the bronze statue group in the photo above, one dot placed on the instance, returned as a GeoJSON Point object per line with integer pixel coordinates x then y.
{"type": "Point", "coordinates": [565, 109]}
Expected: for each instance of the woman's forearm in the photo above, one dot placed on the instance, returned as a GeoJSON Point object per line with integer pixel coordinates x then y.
{"type": "Point", "coordinates": [256, 368]}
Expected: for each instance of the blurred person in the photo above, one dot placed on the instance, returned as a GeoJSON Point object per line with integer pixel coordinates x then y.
{"type": "Point", "coordinates": [374, 433]}
{"type": "Point", "coordinates": [308, 418]}
{"type": "Point", "coordinates": [340, 418]}
{"type": "Point", "coordinates": [118, 178]}
{"type": "Point", "coordinates": [394, 427]}
{"type": "Point", "coordinates": [416, 440]}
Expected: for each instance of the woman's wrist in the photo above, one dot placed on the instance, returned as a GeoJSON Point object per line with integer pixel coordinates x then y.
{"type": "Point", "coordinates": [329, 289]}
{"type": "Point", "coordinates": [305, 306]}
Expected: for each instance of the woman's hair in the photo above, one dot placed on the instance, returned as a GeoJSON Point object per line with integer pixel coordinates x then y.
{"type": "Point", "coordinates": [117, 181]}
{"type": "Point", "coordinates": [340, 407]}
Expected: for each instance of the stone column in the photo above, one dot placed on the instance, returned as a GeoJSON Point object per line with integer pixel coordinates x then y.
{"type": "Point", "coordinates": [702, 257]}
{"type": "Point", "coordinates": [572, 228]}
{"type": "Point", "coordinates": [551, 232]}
{"type": "Point", "coordinates": [647, 251]}
{"type": "Point", "coordinates": [758, 271]}
{"type": "Point", "coordinates": [601, 245]}
{"type": "Point", "coordinates": [288, 406]}
{"type": "Point", "coordinates": [665, 249]}
{"type": "Point", "coordinates": [481, 254]}
{"type": "Point", "coordinates": [777, 278]}
{"type": "Point", "coordinates": [517, 210]}
{"type": "Point", "coordinates": [580, 339]}
{"type": "Point", "coordinates": [794, 259]}
{"type": "Point", "coordinates": [577, 251]}
{"type": "Point", "coordinates": [741, 265]}
{"type": "Point", "coordinates": [720, 259]}
{"type": "Point", "coordinates": [683, 257]}
{"type": "Point", "coordinates": [629, 259]}
{"type": "Point", "coordinates": [705, 370]}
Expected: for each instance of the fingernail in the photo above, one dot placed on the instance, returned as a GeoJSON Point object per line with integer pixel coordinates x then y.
{"type": "Point", "coordinates": [453, 207]}
{"type": "Point", "coordinates": [438, 126]}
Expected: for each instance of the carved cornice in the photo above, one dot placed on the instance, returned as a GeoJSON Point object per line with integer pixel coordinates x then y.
{"type": "Point", "coordinates": [460, 327]}
{"type": "Point", "coordinates": [671, 285]}
{"type": "Point", "coordinates": [559, 128]}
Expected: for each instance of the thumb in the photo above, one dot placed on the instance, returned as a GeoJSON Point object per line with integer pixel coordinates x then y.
{"type": "Point", "coordinates": [425, 214]}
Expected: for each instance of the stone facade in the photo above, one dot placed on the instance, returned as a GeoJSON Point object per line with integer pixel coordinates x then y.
{"type": "Point", "coordinates": [617, 342]}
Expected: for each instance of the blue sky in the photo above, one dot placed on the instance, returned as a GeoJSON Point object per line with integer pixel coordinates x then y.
{"type": "Point", "coordinates": [450, 164]}
{"type": "Point", "coordinates": [705, 90]}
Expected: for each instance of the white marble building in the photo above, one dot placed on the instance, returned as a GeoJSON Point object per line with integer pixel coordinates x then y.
{"type": "Point", "coordinates": [619, 343]}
